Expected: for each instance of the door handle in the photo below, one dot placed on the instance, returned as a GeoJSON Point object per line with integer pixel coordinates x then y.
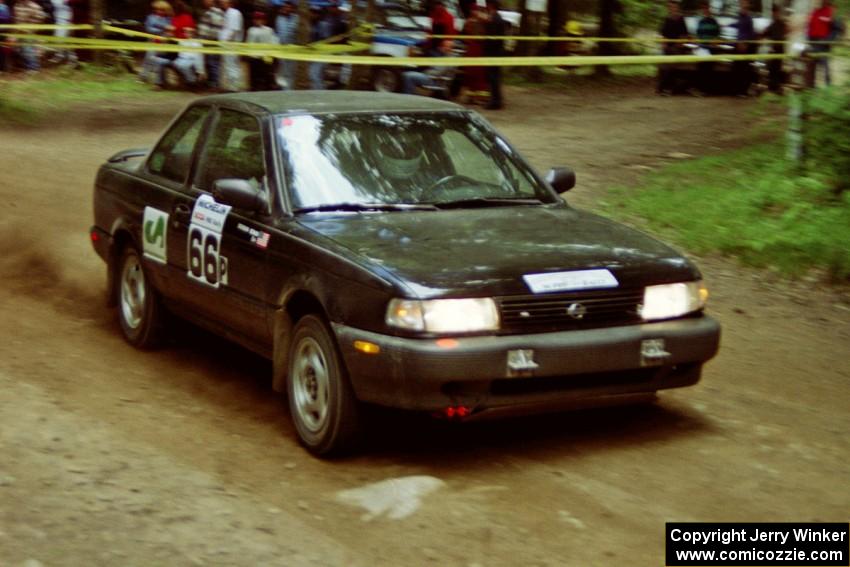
{"type": "Point", "coordinates": [182, 214]}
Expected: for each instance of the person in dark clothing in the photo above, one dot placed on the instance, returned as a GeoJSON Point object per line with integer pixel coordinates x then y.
{"type": "Point", "coordinates": [776, 31]}
{"type": "Point", "coordinates": [708, 30]}
{"type": "Point", "coordinates": [673, 27]}
{"type": "Point", "coordinates": [494, 26]}
{"type": "Point", "coordinates": [742, 71]}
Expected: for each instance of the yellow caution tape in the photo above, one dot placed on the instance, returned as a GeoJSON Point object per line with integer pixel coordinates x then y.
{"type": "Point", "coordinates": [622, 39]}
{"type": "Point", "coordinates": [325, 55]}
{"type": "Point", "coordinates": [44, 27]}
{"type": "Point", "coordinates": [340, 53]}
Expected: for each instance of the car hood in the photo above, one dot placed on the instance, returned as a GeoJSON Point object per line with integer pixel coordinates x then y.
{"type": "Point", "coordinates": [485, 252]}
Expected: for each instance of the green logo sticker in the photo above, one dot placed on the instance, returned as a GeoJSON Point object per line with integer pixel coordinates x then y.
{"type": "Point", "coordinates": [154, 236]}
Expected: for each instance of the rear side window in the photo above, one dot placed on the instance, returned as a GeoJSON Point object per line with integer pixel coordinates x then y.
{"type": "Point", "coordinates": [173, 156]}
{"type": "Point", "coordinates": [234, 150]}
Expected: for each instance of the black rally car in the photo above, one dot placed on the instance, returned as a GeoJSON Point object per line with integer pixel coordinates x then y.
{"type": "Point", "coordinates": [391, 250]}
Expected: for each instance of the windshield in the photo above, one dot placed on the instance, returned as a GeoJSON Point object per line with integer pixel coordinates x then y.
{"type": "Point", "coordinates": [379, 161]}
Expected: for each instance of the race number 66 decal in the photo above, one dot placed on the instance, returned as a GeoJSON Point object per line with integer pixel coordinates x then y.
{"type": "Point", "coordinates": [206, 264]}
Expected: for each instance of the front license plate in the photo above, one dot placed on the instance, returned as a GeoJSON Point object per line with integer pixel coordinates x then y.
{"type": "Point", "coordinates": [570, 281]}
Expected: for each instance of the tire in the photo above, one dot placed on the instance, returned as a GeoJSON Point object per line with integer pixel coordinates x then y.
{"type": "Point", "coordinates": [324, 410]}
{"type": "Point", "coordinates": [139, 309]}
{"type": "Point", "coordinates": [386, 79]}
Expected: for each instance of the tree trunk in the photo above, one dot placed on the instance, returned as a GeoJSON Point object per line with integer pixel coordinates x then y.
{"type": "Point", "coordinates": [97, 15]}
{"type": "Point", "coordinates": [529, 24]}
{"type": "Point", "coordinates": [302, 79]}
{"type": "Point", "coordinates": [607, 28]}
{"type": "Point", "coordinates": [557, 12]}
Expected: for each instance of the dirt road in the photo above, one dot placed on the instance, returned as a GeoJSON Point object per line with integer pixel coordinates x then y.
{"type": "Point", "coordinates": [184, 456]}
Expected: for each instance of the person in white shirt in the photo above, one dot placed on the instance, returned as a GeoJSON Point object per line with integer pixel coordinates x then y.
{"type": "Point", "coordinates": [62, 16]}
{"type": "Point", "coordinates": [231, 71]}
{"type": "Point", "coordinates": [261, 67]}
{"type": "Point", "coordinates": [189, 64]}
{"type": "Point", "coordinates": [286, 26]}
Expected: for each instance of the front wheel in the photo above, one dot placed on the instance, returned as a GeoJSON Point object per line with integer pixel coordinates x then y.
{"type": "Point", "coordinates": [322, 404]}
{"type": "Point", "coordinates": [139, 311]}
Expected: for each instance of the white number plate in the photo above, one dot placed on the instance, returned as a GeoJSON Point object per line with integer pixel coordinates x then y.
{"type": "Point", "coordinates": [570, 281]}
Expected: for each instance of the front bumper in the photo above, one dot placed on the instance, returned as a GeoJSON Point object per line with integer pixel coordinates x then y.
{"type": "Point", "coordinates": [573, 368]}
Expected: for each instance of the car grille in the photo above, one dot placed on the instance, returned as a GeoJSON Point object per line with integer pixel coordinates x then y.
{"type": "Point", "coordinates": [578, 310]}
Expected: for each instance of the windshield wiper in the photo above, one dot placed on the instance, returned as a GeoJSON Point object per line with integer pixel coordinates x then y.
{"type": "Point", "coordinates": [365, 207]}
{"type": "Point", "coordinates": [482, 202]}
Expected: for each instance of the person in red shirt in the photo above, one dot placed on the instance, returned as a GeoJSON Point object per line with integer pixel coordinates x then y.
{"type": "Point", "coordinates": [442, 23]}
{"type": "Point", "coordinates": [182, 19]}
{"type": "Point", "coordinates": [822, 28]}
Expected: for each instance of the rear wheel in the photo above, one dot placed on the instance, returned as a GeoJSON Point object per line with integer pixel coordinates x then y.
{"type": "Point", "coordinates": [139, 310]}
{"type": "Point", "coordinates": [322, 404]}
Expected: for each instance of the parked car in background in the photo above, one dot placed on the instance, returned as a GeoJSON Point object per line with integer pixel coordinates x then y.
{"type": "Point", "coordinates": [404, 33]}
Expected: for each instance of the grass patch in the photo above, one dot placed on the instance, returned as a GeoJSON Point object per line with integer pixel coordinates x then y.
{"type": "Point", "coordinates": [556, 78]}
{"type": "Point", "coordinates": [27, 99]}
{"type": "Point", "coordinates": [750, 204]}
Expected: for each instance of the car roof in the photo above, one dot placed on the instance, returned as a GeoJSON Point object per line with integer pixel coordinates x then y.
{"type": "Point", "coordinates": [318, 102]}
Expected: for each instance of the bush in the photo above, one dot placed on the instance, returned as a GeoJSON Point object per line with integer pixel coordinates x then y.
{"type": "Point", "coordinates": [827, 135]}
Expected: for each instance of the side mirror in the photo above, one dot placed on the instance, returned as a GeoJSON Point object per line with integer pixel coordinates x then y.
{"type": "Point", "coordinates": [239, 193]}
{"type": "Point", "coordinates": [562, 179]}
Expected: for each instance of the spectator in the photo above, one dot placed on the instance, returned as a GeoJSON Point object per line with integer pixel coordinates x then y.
{"type": "Point", "coordinates": [474, 78]}
{"type": "Point", "coordinates": [182, 20]}
{"type": "Point", "coordinates": [494, 26]}
{"type": "Point", "coordinates": [338, 27]}
{"type": "Point", "coordinates": [708, 30]}
{"type": "Point", "coordinates": [321, 29]}
{"type": "Point", "coordinates": [63, 16]}
{"type": "Point", "coordinates": [442, 23]}
{"type": "Point", "coordinates": [822, 28]}
{"type": "Point", "coordinates": [432, 76]}
{"type": "Point", "coordinates": [673, 28]}
{"type": "Point", "coordinates": [286, 26]}
{"type": "Point", "coordinates": [209, 29]}
{"type": "Point", "coordinates": [157, 23]}
{"type": "Point", "coordinates": [232, 30]}
{"type": "Point", "coordinates": [5, 18]}
{"type": "Point", "coordinates": [261, 68]}
{"type": "Point", "coordinates": [777, 31]}
{"type": "Point", "coordinates": [742, 71]}
{"type": "Point", "coordinates": [188, 64]}
{"type": "Point", "coordinates": [29, 12]}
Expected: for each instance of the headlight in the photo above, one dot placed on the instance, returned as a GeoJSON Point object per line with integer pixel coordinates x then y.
{"type": "Point", "coordinates": [673, 300]}
{"type": "Point", "coordinates": [443, 315]}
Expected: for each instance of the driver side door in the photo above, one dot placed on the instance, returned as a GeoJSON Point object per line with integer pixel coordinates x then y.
{"type": "Point", "coordinates": [224, 263]}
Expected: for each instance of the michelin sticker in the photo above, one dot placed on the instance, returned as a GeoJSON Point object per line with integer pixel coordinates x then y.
{"type": "Point", "coordinates": [570, 281]}
{"type": "Point", "coordinates": [154, 237]}
{"type": "Point", "coordinates": [206, 265]}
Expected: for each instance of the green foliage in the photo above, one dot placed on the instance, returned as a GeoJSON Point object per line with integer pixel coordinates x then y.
{"type": "Point", "coordinates": [747, 204]}
{"type": "Point", "coordinates": [639, 14]}
{"type": "Point", "coordinates": [827, 134]}
{"type": "Point", "coordinates": [16, 112]}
